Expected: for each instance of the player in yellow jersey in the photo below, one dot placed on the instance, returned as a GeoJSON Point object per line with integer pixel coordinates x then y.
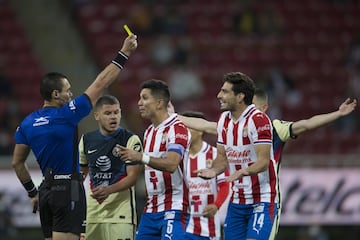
{"type": "Point", "coordinates": [111, 209]}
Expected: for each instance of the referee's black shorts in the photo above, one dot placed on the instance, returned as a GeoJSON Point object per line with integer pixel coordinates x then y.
{"type": "Point", "coordinates": [59, 210]}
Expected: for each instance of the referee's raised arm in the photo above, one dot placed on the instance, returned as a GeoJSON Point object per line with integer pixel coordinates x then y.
{"type": "Point", "coordinates": [111, 72]}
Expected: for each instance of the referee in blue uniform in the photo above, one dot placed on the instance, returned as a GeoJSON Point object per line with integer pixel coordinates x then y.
{"type": "Point", "coordinates": [51, 133]}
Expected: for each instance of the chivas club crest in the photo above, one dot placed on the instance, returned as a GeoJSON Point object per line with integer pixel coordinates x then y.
{"type": "Point", "coordinates": [209, 163]}
{"type": "Point", "coordinates": [163, 138]}
{"type": "Point", "coordinates": [245, 132]}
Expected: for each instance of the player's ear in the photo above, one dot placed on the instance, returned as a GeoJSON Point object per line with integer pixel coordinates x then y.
{"type": "Point", "coordinates": [96, 115]}
{"type": "Point", "coordinates": [265, 107]}
{"type": "Point", "coordinates": [160, 103]}
{"type": "Point", "coordinates": [240, 96]}
{"type": "Point", "coordinates": [55, 94]}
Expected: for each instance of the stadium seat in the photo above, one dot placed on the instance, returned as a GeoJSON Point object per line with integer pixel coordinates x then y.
{"type": "Point", "coordinates": [312, 49]}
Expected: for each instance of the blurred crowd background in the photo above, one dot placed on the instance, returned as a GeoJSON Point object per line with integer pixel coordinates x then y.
{"type": "Point", "coordinates": [305, 54]}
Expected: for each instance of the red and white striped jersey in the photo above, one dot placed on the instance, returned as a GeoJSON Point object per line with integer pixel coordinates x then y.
{"type": "Point", "coordinates": [166, 191]}
{"type": "Point", "coordinates": [239, 139]}
{"type": "Point", "coordinates": [202, 192]}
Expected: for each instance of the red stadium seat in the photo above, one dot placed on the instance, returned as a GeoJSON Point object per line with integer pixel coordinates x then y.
{"type": "Point", "coordinates": [312, 49]}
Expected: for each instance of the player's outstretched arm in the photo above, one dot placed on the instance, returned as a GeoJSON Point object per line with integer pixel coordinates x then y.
{"type": "Point", "coordinates": [199, 124]}
{"type": "Point", "coordinates": [111, 72]}
{"type": "Point", "coordinates": [347, 107]}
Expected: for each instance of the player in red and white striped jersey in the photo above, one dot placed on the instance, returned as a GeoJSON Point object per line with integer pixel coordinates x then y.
{"type": "Point", "coordinates": [206, 195]}
{"type": "Point", "coordinates": [239, 138]}
{"type": "Point", "coordinates": [166, 148]}
{"type": "Point", "coordinates": [245, 146]}
{"type": "Point", "coordinates": [283, 131]}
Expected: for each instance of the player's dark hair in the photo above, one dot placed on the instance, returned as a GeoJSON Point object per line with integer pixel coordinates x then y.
{"type": "Point", "coordinates": [193, 114]}
{"type": "Point", "coordinates": [242, 83]}
{"type": "Point", "coordinates": [50, 82]}
{"type": "Point", "coordinates": [159, 89]}
{"type": "Point", "coordinates": [261, 94]}
{"type": "Point", "coordinates": [106, 100]}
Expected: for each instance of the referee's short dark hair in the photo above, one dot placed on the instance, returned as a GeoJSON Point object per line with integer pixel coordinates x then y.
{"type": "Point", "coordinates": [50, 82]}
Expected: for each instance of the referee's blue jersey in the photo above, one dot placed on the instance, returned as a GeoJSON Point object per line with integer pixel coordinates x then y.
{"type": "Point", "coordinates": [51, 133]}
